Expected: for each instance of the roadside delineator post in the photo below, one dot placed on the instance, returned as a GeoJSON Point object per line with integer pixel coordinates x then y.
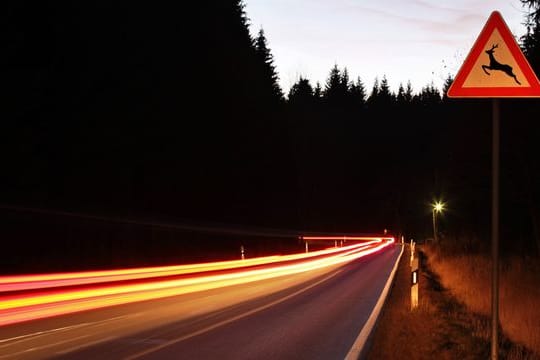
{"type": "Point", "coordinates": [414, 278]}
{"type": "Point", "coordinates": [414, 284]}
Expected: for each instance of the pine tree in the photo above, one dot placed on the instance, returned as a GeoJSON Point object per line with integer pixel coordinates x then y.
{"type": "Point", "coordinates": [264, 55]}
{"type": "Point", "coordinates": [530, 42]}
{"type": "Point", "coordinates": [335, 91]}
{"type": "Point", "coordinates": [374, 93]}
{"type": "Point", "coordinates": [318, 92]}
{"type": "Point", "coordinates": [358, 94]}
{"type": "Point", "coordinates": [534, 7]}
{"type": "Point", "coordinates": [408, 93]}
{"type": "Point", "coordinates": [301, 93]}
{"type": "Point", "coordinates": [345, 82]}
{"type": "Point", "coordinates": [400, 98]}
{"type": "Point", "coordinates": [333, 82]}
{"type": "Point", "coordinates": [447, 83]}
{"type": "Point", "coordinates": [381, 96]}
{"type": "Point", "coordinates": [429, 96]}
{"type": "Point", "coordinates": [385, 94]}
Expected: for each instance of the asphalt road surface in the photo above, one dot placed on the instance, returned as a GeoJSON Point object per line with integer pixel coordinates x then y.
{"type": "Point", "coordinates": [312, 315]}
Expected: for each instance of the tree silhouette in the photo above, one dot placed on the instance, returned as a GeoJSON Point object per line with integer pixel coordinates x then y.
{"type": "Point", "coordinates": [269, 70]}
{"type": "Point", "coordinates": [400, 97]}
{"type": "Point", "coordinates": [381, 97]}
{"type": "Point", "coordinates": [429, 96]}
{"type": "Point", "coordinates": [385, 95]}
{"type": "Point", "coordinates": [534, 7]}
{"type": "Point", "coordinates": [357, 94]}
{"type": "Point", "coordinates": [408, 92]}
{"type": "Point", "coordinates": [345, 81]}
{"type": "Point", "coordinates": [372, 99]}
{"type": "Point", "coordinates": [336, 88]}
{"type": "Point", "coordinates": [301, 93]}
{"type": "Point", "coordinates": [317, 92]}
{"type": "Point", "coordinates": [530, 42]}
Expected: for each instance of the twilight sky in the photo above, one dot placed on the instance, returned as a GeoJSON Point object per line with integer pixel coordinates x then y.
{"type": "Point", "coordinates": [417, 40]}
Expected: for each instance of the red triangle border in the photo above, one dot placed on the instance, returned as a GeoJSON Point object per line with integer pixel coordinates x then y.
{"type": "Point", "coordinates": [457, 90]}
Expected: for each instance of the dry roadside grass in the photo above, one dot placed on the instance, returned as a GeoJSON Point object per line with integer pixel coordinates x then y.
{"type": "Point", "coordinates": [519, 293]}
{"type": "Point", "coordinates": [440, 328]}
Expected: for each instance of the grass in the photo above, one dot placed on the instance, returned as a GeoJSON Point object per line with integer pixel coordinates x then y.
{"type": "Point", "coordinates": [445, 326]}
{"type": "Point", "coordinates": [468, 277]}
{"type": "Point", "coordinates": [400, 333]}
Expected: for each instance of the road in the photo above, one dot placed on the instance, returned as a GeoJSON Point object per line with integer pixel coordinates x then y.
{"type": "Point", "coordinates": [315, 314]}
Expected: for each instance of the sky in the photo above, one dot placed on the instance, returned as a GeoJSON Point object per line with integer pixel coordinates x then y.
{"type": "Point", "coordinates": [418, 40]}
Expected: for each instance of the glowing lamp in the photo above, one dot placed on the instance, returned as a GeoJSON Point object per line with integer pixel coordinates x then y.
{"type": "Point", "coordinates": [438, 206]}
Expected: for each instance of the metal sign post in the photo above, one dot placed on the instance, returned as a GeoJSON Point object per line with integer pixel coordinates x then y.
{"type": "Point", "coordinates": [495, 231]}
{"type": "Point", "coordinates": [495, 68]}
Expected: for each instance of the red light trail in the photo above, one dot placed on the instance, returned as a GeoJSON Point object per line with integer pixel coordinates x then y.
{"type": "Point", "coordinates": [29, 297]}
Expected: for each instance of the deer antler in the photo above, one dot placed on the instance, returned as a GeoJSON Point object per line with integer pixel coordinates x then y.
{"type": "Point", "coordinates": [494, 46]}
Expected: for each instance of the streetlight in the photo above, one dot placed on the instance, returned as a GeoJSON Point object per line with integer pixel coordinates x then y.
{"type": "Point", "coordinates": [438, 207]}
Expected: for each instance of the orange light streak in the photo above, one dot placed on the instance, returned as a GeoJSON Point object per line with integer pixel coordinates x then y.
{"type": "Point", "coordinates": [41, 303]}
{"type": "Point", "coordinates": [42, 281]}
{"type": "Point", "coordinates": [354, 238]}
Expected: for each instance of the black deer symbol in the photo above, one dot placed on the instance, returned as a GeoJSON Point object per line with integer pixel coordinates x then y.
{"type": "Point", "coordinates": [495, 65]}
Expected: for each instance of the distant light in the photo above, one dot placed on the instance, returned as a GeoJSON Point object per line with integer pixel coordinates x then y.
{"type": "Point", "coordinates": [438, 206]}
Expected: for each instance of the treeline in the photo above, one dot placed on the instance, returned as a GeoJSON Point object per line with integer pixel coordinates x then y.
{"type": "Point", "coordinates": [382, 158]}
{"type": "Point", "coordinates": [378, 158]}
{"type": "Point", "coordinates": [123, 107]}
{"type": "Point", "coordinates": [175, 112]}
{"type": "Point", "coordinates": [138, 111]}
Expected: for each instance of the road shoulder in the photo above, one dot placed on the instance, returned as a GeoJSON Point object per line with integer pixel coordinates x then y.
{"type": "Point", "coordinates": [440, 328]}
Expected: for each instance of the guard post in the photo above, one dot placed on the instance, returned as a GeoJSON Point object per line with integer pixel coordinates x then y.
{"type": "Point", "coordinates": [414, 284]}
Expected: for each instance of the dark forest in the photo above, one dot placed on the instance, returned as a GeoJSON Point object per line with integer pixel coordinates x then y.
{"type": "Point", "coordinates": [141, 133]}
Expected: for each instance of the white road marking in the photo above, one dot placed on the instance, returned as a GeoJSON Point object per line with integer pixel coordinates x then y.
{"type": "Point", "coordinates": [44, 346]}
{"type": "Point", "coordinates": [17, 339]}
{"type": "Point", "coordinates": [68, 350]}
{"type": "Point", "coordinates": [228, 321]}
{"type": "Point", "coordinates": [360, 342]}
{"type": "Point", "coordinates": [33, 336]}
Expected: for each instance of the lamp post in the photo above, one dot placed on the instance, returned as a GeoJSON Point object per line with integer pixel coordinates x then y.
{"type": "Point", "coordinates": [437, 208]}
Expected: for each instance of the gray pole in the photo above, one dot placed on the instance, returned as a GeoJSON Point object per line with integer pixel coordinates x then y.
{"type": "Point", "coordinates": [495, 234]}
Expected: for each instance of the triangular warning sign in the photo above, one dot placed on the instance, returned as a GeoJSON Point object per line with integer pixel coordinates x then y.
{"type": "Point", "coordinates": [495, 66]}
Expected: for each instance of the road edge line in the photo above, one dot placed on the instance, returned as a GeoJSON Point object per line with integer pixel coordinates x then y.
{"type": "Point", "coordinates": [358, 346]}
